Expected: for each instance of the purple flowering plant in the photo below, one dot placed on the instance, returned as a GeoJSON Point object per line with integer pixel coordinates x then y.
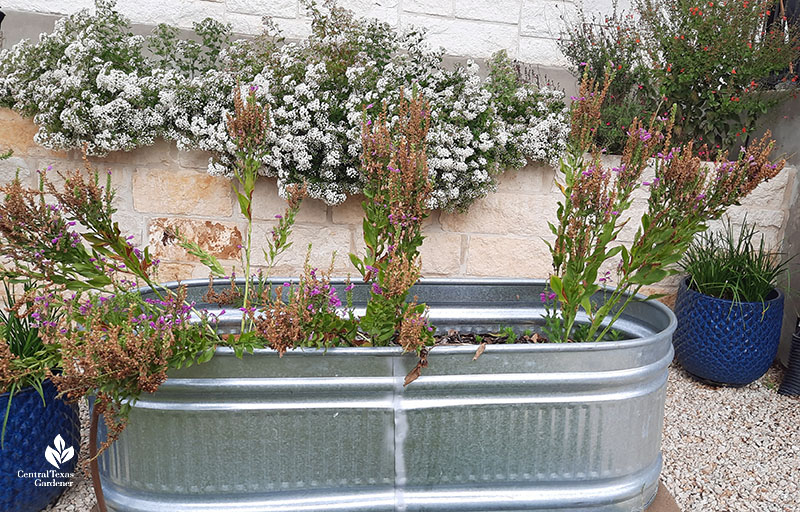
{"type": "Point", "coordinates": [99, 337]}
{"type": "Point", "coordinates": [397, 189]}
{"type": "Point", "coordinates": [684, 196]}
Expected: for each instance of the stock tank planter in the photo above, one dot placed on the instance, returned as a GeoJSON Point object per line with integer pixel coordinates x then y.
{"type": "Point", "coordinates": [524, 427]}
{"type": "Point", "coordinates": [29, 482]}
{"type": "Point", "coordinates": [723, 342]}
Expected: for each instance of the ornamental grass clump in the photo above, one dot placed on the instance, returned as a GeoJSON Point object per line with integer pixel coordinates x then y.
{"type": "Point", "coordinates": [25, 359]}
{"type": "Point", "coordinates": [684, 195]}
{"type": "Point", "coordinates": [730, 265]}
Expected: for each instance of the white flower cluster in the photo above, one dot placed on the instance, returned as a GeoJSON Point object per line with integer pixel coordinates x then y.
{"type": "Point", "coordinates": [89, 82]}
{"type": "Point", "coordinates": [77, 96]}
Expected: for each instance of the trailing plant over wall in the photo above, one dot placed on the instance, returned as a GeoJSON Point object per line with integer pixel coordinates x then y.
{"type": "Point", "coordinates": [93, 82]}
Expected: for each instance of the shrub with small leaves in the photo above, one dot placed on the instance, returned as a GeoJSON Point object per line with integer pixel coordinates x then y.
{"type": "Point", "coordinates": [593, 42]}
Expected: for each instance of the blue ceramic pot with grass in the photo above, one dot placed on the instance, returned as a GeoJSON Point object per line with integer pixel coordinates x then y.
{"type": "Point", "coordinates": [725, 342]}
{"type": "Point", "coordinates": [40, 449]}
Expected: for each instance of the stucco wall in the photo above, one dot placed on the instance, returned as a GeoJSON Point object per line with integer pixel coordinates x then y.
{"type": "Point", "coordinates": [502, 235]}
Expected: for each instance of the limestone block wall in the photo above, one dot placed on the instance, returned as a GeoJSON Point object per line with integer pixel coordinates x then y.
{"type": "Point", "coordinates": [502, 235]}
{"type": "Point", "coordinates": [527, 29]}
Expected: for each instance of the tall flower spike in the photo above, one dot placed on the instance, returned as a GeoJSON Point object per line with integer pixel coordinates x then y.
{"type": "Point", "coordinates": [586, 115]}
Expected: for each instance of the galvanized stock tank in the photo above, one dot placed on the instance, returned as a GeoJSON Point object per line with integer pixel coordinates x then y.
{"type": "Point", "coordinates": [573, 426]}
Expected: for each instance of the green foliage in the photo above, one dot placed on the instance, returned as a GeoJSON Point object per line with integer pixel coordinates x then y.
{"type": "Point", "coordinates": [510, 335]}
{"type": "Point", "coordinates": [25, 357]}
{"type": "Point", "coordinates": [593, 43]}
{"type": "Point", "coordinates": [712, 60]}
{"type": "Point", "coordinates": [207, 259]}
{"type": "Point", "coordinates": [683, 196]}
{"type": "Point", "coordinates": [729, 265]}
{"type": "Point", "coordinates": [188, 56]}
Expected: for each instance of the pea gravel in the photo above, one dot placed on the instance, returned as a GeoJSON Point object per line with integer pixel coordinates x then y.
{"type": "Point", "coordinates": [725, 449]}
{"type": "Point", "coordinates": [731, 449]}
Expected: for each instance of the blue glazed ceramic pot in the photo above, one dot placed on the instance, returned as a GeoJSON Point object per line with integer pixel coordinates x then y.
{"type": "Point", "coordinates": [40, 450]}
{"type": "Point", "coordinates": [723, 342]}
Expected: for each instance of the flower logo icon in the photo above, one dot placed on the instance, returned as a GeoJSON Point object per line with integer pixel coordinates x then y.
{"type": "Point", "coordinates": [60, 454]}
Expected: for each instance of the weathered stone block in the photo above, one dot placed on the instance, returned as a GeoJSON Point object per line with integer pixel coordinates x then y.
{"type": "Point", "coordinates": [773, 194]}
{"type": "Point", "coordinates": [161, 153]}
{"type": "Point", "coordinates": [182, 192]}
{"type": "Point", "coordinates": [175, 271]}
{"type": "Point", "coordinates": [16, 132]}
{"type": "Point", "coordinates": [503, 11]}
{"type": "Point", "coordinates": [10, 168]}
{"type": "Point", "coordinates": [292, 28]}
{"type": "Point", "coordinates": [466, 37]}
{"type": "Point", "coordinates": [541, 50]}
{"type": "Point", "coordinates": [441, 254]}
{"type": "Point", "coordinates": [497, 256]}
{"type": "Point", "coordinates": [504, 213]}
{"type": "Point", "coordinates": [267, 203]}
{"type": "Point", "coordinates": [194, 159]}
{"type": "Point", "coordinates": [277, 8]}
{"type": "Point", "coordinates": [545, 18]}
{"type": "Point", "coordinates": [531, 179]}
{"type": "Point", "coordinates": [181, 14]}
{"type": "Point", "coordinates": [435, 7]}
{"type": "Point", "coordinates": [221, 239]}
{"type": "Point", "coordinates": [247, 24]}
{"type": "Point", "coordinates": [324, 240]}
{"type": "Point", "coordinates": [384, 10]}
{"type": "Point", "coordinates": [349, 212]}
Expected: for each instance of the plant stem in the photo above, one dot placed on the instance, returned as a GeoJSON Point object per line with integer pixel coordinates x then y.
{"type": "Point", "coordinates": [619, 311]}
{"type": "Point", "coordinates": [247, 271]}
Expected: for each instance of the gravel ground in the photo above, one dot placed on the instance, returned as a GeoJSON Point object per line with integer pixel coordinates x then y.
{"type": "Point", "coordinates": [731, 450]}
{"type": "Point", "coordinates": [725, 449]}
